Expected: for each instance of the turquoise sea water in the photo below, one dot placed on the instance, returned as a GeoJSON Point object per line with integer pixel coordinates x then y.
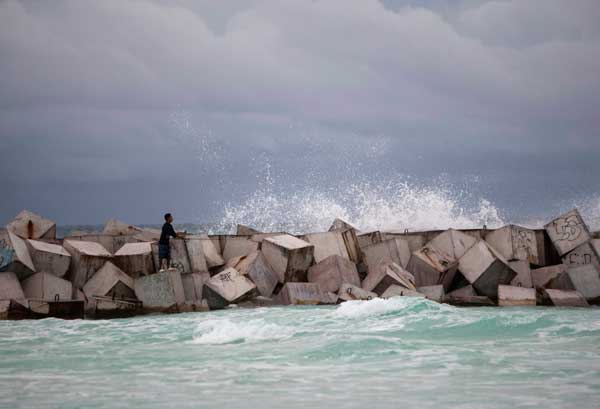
{"type": "Point", "coordinates": [397, 353]}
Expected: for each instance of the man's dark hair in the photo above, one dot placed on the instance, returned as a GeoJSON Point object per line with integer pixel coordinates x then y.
{"type": "Point", "coordinates": [167, 216]}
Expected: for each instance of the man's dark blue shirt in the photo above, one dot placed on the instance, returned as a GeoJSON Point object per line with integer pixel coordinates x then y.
{"type": "Point", "coordinates": [167, 233]}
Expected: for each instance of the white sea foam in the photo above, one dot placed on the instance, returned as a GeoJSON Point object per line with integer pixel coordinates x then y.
{"type": "Point", "coordinates": [224, 331]}
{"type": "Point", "coordinates": [376, 306]}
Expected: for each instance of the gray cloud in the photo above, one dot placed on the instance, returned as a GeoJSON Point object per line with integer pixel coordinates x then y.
{"type": "Point", "coordinates": [145, 94]}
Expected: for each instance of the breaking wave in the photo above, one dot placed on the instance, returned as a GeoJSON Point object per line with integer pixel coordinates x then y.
{"type": "Point", "coordinates": [224, 331]}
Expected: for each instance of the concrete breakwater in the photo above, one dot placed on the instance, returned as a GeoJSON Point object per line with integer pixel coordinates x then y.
{"type": "Point", "coordinates": [114, 273]}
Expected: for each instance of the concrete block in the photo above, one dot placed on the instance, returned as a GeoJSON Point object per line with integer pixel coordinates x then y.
{"type": "Point", "coordinates": [437, 262]}
{"type": "Point", "coordinates": [415, 240]}
{"type": "Point", "coordinates": [385, 274]}
{"type": "Point", "coordinates": [229, 286]}
{"type": "Point", "coordinates": [341, 224]}
{"type": "Point", "coordinates": [110, 281]}
{"type": "Point", "coordinates": [48, 257]}
{"type": "Point", "coordinates": [135, 259]}
{"type": "Point", "coordinates": [211, 251]}
{"type": "Point", "coordinates": [554, 277]}
{"type": "Point", "coordinates": [6, 250]}
{"type": "Point", "coordinates": [395, 249]}
{"type": "Point", "coordinates": [87, 257]}
{"type": "Point", "coordinates": [179, 256]}
{"type": "Point", "coordinates": [514, 243]}
{"type": "Point", "coordinates": [369, 238]}
{"type": "Point", "coordinates": [14, 310]}
{"type": "Point", "coordinates": [112, 243]}
{"type": "Point", "coordinates": [582, 255]}
{"type": "Point", "coordinates": [564, 298]}
{"type": "Point", "coordinates": [243, 230]}
{"type": "Point", "coordinates": [352, 245]}
{"type": "Point", "coordinates": [470, 301]}
{"type": "Point", "coordinates": [511, 296]}
{"type": "Point", "coordinates": [48, 287]}
{"type": "Point", "coordinates": [237, 246]}
{"type": "Point", "coordinates": [195, 250]}
{"type": "Point", "coordinates": [161, 291]}
{"type": "Point", "coordinates": [16, 256]}
{"type": "Point", "coordinates": [10, 288]}
{"type": "Point", "coordinates": [258, 269]}
{"type": "Point", "coordinates": [586, 280]}
{"type": "Point", "coordinates": [568, 232]}
{"type": "Point", "coordinates": [349, 292]}
{"type": "Point", "coordinates": [28, 225]}
{"type": "Point", "coordinates": [118, 228]}
{"type": "Point", "coordinates": [467, 291]}
{"type": "Point", "coordinates": [400, 291]}
{"type": "Point", "coordinates": [523, 270]}
{"type": "Point", "coordinates": [101, 307]}
{"type": "Point", "coordinates": [485, 269]}
{"type": "Point", "coordinates": [433, 292]}
{"type": "Point", "coordinates": [289, 257]}
{"type": "Point", "coordinates": [66, 310]}
{"type": "Point", "coordinates": [332, 272]}
{"type": "Point", "coordinates": [300, 294]}
{"type": "Point", "coordinates": [547, 253]}
{"type": "Point", "coordinates": [327, 244]}
{"type": "Point", "coordinates": [193, 285]}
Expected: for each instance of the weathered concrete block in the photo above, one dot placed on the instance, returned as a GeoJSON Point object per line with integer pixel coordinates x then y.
{"type": "Point", "coordinates": [582, 255]}
{"type": "Point", "coordinates": [258, 269]}
{"type": "Point", "coordinates": [16, 256]}
{"type": "Point", "coordinates": [210, 251]}
{"type": "Point", "coordinates": [485, 269]}
{"type": "Point", "coordinates": [47, 287]}
{"type": "Point", "coordinates": [514, 243]}
{"type": "Point", "coordinates": [66, 310]}
{"type": "Point", "coordinates": [243, 230]}
{"type": "Point", "coordinates": [193, 285]}
{"type": "Point", "coordinates": [229, 286]}
{"type": "Point", "coordinates": [400, 291]}
{"type": "Point", "coordinates": [395, 249]}
{"type": "Point", "coordinates": [352, 245]}
{"type": "Point", "coordinates": [289, 257]}
{"type": "Point", "coordinates": [332, 272]}
{"type": "Point", "coordinates": [554, 277]}
{"type": "Point", "coordinates": [470, 301]}
{"type": "Point", "coordinates": [586, 280]}
{"type": "Point", "coordinates": [179, 256]}
{"type": "Point", "coordinates": [523, 270]}
{"type": "Point", "coordinates": [28, 225]}
{"type": "Point", "coordinates": [415, 240]}
{"type": "Point", "coordinates": [510, 296]}
{"type": "Point", "coordinates": [48, 257]}
{"type": "Point", "coordinates": [161, 291]}
{"type": "Point", "coordinates": [437, 262]}
{"type": "Point", "coordinates": [568, 232]}
{"type": "Point", "coordinates": [101, 307]}
{"type": "Point", "coordinates": [110, 281]}
{"type": "Point", "coordinates": [118, 228]}
{"type": "Point", "coordinates": [87, 257]}
{"type": "Point", "coordinates": [341, 224]}
{"type": "Point", "coordinates": [6, 250]}
{"type": "Point", "coordinates": [14, 310]}
{"type": "Point", "coordinates": [135, 259]}
{"type": "Point", "coordinates": [564, 298]}
{"type": "Point", "coordinates": [433, 292]}
{"type": "Point", "coordinates": [369, 238]}
{"type": "Point", "coordinates": [467, 291]}
{"type": "Point", "coordinates": [385, 274]}
{"type": "Point", "coordinates": [327, 244]}
{"type": "Point", "coordinates": [238, 246]}
{"type": "Point", "coordinates": [112, 243]}
{"type": "Point", "coordinates": [349, 292]}
{"type": "Point", "coordinates": [10, 288]}
{"type": "Point", "coordinates": [547, 253]}
{"type": "Point", "coordinates": [195, 250]}
{"type": "Point", "coordinates": [300, 294]}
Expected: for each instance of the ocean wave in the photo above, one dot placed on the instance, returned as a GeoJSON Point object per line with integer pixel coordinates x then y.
{"type": "Point", "coordinates": [380, 306]}
{"type": "Point", "coordinates": [225, 331]}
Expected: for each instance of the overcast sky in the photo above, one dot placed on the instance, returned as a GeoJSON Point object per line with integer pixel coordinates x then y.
{"type": "Point", "coordinates": [129, 108]}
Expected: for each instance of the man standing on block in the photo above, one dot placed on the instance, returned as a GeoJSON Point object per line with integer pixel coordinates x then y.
{"type": "Point", "coordinates": [164, 248]}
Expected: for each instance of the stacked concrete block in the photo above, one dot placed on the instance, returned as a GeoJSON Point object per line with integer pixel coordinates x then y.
{"type": "Point", "coordinates": [110, 281]}
{"type": "Point", "coordinates": [564, 298]}
{"type": "Point", "coordinates": [289, 257]}
{"type": "Point", "coordinates": [466, 296]}
{"type": "Point", "coordinates": [193, 286]}
{"type": "Point", "coordinates": [515, 243]}
{"type": "Point", "coordinates": [332, 272]}
{"type": "Point", "coordinates": [16, 256]}
{"type": "Point", "coordinates": [66, 310]}
{"type": "Point", "coordinates": [28, 225]}
{"type": "Point", "coordinates": [485, 269]}
{"type": "Point", "coordinates": [6, 250]}
{"type": "Point", "coordinates": [87, 257]}
{"type": "Point", "coordinates": [327, 244]}
{"type": "Point", "coordinates": [135, 259]}
{"type": "Point", "coordinates": [195, 251]}
{"type": "Point", "coordinates": [10, 288]}
{"type": "Point", "coordinates": [369, 238]}
{"type": "Point", "coordinates": [568, 232]}
{"type": "Point", "coordinates": [48, 257]}
{"type": "Point", "coordinates": [554, 277]}
{"type": "Point", "coordinates": [437, 262]}
{"type": "Point", "coordinates": [47, 287]}
{"type": "Point", "coordinates": [14, 310]}
{"type": "Point", "coordinates": [523, 270]}
{"type": "Point", "coordinates": [547, 253]}
{"type": "Point", "coordinates": [349, 292]}
{"type": "Point", "coordinates": [238, 246]}
{"type": "Point", "coordinates": [301, 294]}
{"type": "Point", "coordinates": [586, 280]}
{"type": "Point", "coordinates": [395, 249]}
{"type": "Point", "coordinates": [583, 254]}
{"type": "Point", "coordinates": [258, 269]}
{"type": "Point", "coordinates": [433, 292]}
{"type": "Point", "coordinates": [511, 296]}
{"type": "Point", "coordinates": [179, 255]}
{"type": "Point", "coordinates": [415, 240]}
{"type": "Point", "coordinates": [112, 243]}
{"type": "Point", "coordinates": [385, 274]}
{"type": "Point", "coordinates": [341, 224]}
{"type": "Point", "coordinates": [229, 286]}
{"type": "Point", "coordinates": [210, 250]}
{"type": "Point", "coordinates": [400, 291]}
{"type": "Point", "coordinates": [243, 230]}
{"type": "Point", "coordinates": [162, 291]}
{"type": "Point", "coordinates": [352, 245]}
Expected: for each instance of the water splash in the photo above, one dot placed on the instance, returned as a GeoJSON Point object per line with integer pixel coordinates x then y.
{"type": "Point", "coordinates": [225, 331]}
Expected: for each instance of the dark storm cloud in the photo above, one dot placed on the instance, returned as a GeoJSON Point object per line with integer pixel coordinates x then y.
{"type": "Point", "coordinates": [190, 93]}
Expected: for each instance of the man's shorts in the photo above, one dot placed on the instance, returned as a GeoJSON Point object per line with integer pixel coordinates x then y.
{"type": "Point", "coordinates": [164, 251]}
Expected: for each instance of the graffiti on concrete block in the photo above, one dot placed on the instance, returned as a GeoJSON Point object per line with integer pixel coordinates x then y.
{"type": "Point", "coordinates": [568, 228]}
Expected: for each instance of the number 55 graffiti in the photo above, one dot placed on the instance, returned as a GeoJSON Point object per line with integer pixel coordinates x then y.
{"type": "Point", "coordinates": [568, 228]}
